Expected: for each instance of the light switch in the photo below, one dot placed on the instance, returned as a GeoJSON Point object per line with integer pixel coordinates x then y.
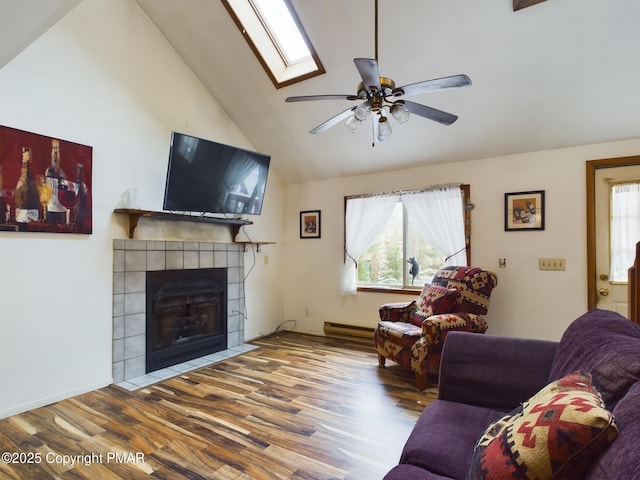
{"type": "Point", "coordinates": [551, 264]}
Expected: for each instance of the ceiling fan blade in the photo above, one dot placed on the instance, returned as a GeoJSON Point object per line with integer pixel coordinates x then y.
{"type": "Point", "coordinates": [444, 83]}
{"type": "Point", "coordinates": [430, 113]}
{"type": "Point", "coordinates": [333, 121]}
{"type": "Point", "coordinates": [368, 69]}
{"type": "Point", "coordinates": [307, 98]}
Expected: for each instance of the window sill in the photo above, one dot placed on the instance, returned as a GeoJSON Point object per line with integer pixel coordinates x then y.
{"type": "Point", "coordinates": [402, 291]}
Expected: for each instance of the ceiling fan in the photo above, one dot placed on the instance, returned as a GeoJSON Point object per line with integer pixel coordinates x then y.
{"type": "Point", "coordinates": [380, 97]}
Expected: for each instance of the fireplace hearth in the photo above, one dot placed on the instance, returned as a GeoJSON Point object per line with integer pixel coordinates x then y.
{"type": "Point", "coordinates": [186, 315]}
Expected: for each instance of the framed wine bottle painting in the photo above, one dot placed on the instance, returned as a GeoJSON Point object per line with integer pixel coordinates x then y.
{"type": "Point", "coordinates": [45, 183]}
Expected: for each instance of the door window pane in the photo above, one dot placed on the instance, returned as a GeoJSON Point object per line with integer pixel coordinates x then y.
{"type": "Point", "coordinates": [625, 228]}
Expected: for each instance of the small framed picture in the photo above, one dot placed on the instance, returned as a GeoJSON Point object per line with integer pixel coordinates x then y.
{"type": "Point", "coordinates": [524, 211]}
{"type": "Point", "coordinates": [310, 224]}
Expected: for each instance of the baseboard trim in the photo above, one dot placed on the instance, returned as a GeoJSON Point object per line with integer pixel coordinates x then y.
{"type": "Point", "coordinates": [44, 401]}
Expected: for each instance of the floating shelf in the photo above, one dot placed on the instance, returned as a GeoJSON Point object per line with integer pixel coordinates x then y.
{"type": "Point", "coordinates": [135, 215]}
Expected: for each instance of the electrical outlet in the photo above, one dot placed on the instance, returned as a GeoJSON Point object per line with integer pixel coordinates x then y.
{"type": "Point", "coordinates": [551, 264]}
{"type": "Point", "coordinates": [266, 259]}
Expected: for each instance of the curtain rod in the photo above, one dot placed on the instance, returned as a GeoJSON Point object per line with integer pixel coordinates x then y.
{"type": "Point", "coordinates": [406, 192]}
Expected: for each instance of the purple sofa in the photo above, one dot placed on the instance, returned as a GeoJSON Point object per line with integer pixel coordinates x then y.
{"type": "Point", "coordinates": [487, 381]}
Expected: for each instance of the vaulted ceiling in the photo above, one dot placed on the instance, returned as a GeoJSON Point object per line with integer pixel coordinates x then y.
{"type": "Point", "coordinates": [558, 74]}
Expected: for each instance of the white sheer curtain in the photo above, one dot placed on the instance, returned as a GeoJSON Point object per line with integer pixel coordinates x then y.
{"type": "Point", "coordinates": [365, 218]}
{"type": "Point", "coordinates": [438, 215]}
{"type": "Point", "coordinates": [625, 229]}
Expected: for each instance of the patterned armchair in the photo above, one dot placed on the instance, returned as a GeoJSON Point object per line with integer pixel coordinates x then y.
{"type": "Point", "coordinates": [412, 333]}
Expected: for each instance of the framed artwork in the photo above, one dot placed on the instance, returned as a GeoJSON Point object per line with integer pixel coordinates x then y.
{"type": "Point", "coordinates": [45, 184]}
{"type": "Point", "coordinates": [310, 224]}
{"type": "Point", "coordinates": [524, 211]}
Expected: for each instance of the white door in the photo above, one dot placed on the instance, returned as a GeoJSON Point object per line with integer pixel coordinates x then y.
{"type": "Point", "coordinates": [612, 293]}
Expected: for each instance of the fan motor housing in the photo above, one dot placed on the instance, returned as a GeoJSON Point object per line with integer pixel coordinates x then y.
{"type": "Point", "coordinates": [387, 86]}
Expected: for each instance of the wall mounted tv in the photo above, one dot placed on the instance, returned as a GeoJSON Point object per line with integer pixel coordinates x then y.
{"type": "Point", "coordinates": [209, 177]}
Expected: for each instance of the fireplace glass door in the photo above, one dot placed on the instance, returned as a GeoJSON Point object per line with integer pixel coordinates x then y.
{"type": "Point", "coordinates": [186, 315]}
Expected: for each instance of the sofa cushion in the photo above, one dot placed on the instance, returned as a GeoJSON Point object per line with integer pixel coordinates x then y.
{"type": "Point", "coordinates": [620, 461]}
{"type": "Point", "coordinates": [606, 344]}
{"type": "Point", "coordinates": [557, 433]}
{"type": "Point", "coordinates": [399, 332]}
{"type": "Point", "coordinates": [433, 301]}
{"type": "Point", "coordinates": [411, 472]}
{"type": "Point", "coordinates": [443, 439]}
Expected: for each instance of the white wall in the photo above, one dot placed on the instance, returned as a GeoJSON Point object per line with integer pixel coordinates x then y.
{"type": "Point", "coordinates": [527, 302]}
{"type": "Point", "coordinates": [104, 77]}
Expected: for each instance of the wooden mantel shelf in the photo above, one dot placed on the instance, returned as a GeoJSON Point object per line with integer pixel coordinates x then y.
{"type": "Point", "coordinates": [135, 215]}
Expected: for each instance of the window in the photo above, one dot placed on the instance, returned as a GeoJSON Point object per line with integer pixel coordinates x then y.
{"type": "Point", "coordinates": [398, 241]}
{"type": "Point", "coordinates": [276, 36]}
{"type": "Point", "coordinates": [625, 228]}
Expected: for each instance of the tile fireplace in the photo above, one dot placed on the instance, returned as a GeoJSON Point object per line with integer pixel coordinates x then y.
{"type": "Point", "coordinates": [133, 259]}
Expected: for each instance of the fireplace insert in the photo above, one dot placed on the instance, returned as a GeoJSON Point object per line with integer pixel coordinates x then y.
{"type": "Point", "coordinates": [186, 315]}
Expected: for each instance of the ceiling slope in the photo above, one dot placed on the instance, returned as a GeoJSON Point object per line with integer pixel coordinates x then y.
{"type": "Point", "coordinates": [23, 21]}
{"type": "Point", "coordinates": [558, 74]}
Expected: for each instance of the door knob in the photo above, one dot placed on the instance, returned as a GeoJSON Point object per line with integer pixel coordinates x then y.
{"type": "Point", "coordinates": [604, 291]}
{"type": "Point", "coordinates": [604, 277]}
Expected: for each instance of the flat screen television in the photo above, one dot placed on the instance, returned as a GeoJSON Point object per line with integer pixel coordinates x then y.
{"type": "Point", "coordinates": [210, 177]}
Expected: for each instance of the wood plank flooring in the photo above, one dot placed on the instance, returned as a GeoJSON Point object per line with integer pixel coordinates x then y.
{"type": "Point", "coordinates": [299, 407]}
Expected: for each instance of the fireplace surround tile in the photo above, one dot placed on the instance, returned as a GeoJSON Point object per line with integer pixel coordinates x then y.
{"type": "Point", "coordinates": [219, 258]}
{"type": "Point", "coordinates": [134, 282]}
{"type": "Point", "coordinates": [134, 325]}
{"type": "Point", "coordinates": [135, 303]}
{"type": "Point", "coordinates": [156, 245]}
{"type": "Point", "coordinates": [175, 260]}
{"type": "Point", "coordinates": [156, 260]}
{"type": "Point", "coordinates": [206, 259]}
{"type": "Point", "coordinates": [175, 246]}
{"type": "Point", "coordinates": [131, 260]}
{"type": "Point", "coordinates": [135, 261]}
{"type": "Point", "coordinates": [191, 259]}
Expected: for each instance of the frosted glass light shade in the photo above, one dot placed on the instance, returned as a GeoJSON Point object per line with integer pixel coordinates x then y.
{"type": "Point", "coordinates": [362, 111]}
{"type": "Point", "coordinates": [353, 124]}
{"type": "Point", "coordinates": [384, 129]}
{"type": "Point", "coordinates": [400, 112]}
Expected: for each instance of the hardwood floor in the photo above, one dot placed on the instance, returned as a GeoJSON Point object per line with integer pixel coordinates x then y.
{"type": "Point", "coordinates": [299, 407]}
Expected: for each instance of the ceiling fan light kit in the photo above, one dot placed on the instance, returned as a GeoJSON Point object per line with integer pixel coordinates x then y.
{"type": "Point", "coordinates": [381, 98]}
{"type": "Point", "coordinates": [400, 112]}
{"type": "Point", "coordinates": [353, 123]}
{"type": "Point", "coordinates": [361, 112]}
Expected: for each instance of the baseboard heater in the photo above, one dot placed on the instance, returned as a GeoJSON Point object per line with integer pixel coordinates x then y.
{"type": "Point", "coordinates": [331, 328]}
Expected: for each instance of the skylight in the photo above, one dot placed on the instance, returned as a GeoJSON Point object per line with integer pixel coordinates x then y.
{"type": "Point", "coordinates": [276, 36]}
{"type": "Point", "coordinates": [279, 22]}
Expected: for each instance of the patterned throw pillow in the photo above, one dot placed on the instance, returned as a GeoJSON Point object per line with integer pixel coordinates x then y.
{"type": "Point", "coordinates": [556, 434]}
{"type": "Point", "coordinates": [433, 301]}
